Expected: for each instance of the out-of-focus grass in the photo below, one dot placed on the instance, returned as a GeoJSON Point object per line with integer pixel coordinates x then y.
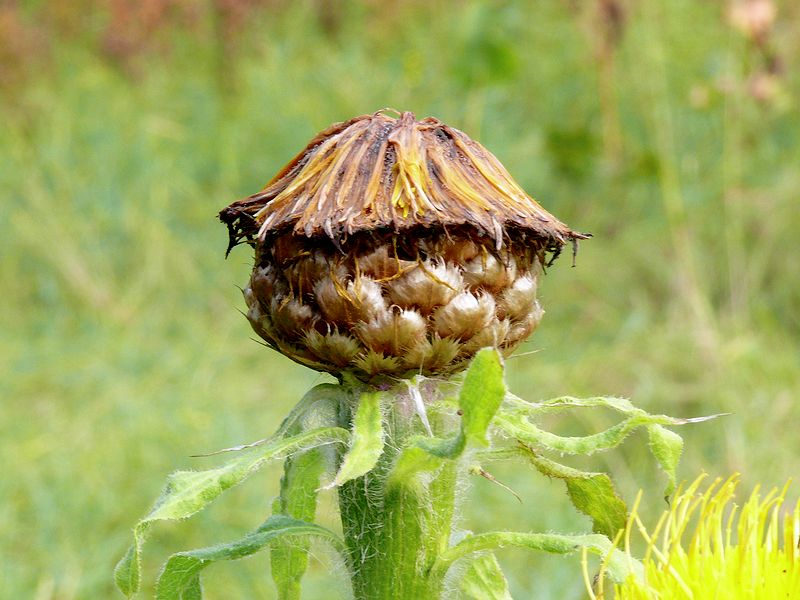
{"type": "Point", "coordinates": [122, 348]}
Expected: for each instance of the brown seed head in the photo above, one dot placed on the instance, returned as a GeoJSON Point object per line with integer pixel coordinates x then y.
{"type": "Point", "coordinates": [391, 245]}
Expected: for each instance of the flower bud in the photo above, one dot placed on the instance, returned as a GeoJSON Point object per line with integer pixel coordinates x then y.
{"type": "Point", "coordinates": [390, 246]}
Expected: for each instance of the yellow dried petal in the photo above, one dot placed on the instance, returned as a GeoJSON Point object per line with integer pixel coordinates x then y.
{"type": "Point", "coordinates": [375, 171]}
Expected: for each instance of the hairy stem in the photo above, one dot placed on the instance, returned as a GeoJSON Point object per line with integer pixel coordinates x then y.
{"type": "Point", "coordinates": [395, 531]}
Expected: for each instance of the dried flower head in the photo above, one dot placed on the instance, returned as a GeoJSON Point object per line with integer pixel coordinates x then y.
{"type": "Point", "coordinates": [391, 245]}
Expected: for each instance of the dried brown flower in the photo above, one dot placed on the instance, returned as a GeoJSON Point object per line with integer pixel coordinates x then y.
{"type": "Point", "coordinates": [391, 245]}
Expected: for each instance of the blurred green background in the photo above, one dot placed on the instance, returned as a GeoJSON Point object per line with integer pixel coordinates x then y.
{"type": "Point", "coordinates": [667, 128]}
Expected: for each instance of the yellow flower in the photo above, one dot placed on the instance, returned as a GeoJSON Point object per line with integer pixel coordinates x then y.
{"type": "Point", "coordinates": [707, 547]}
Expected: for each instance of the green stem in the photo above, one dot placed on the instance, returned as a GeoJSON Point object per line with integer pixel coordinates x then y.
{"type": "Point", "coordinates": [394, 532]}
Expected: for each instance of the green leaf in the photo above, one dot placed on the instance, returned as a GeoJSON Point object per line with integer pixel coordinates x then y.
{"type": "Point", "coordinates": [180, 579]}
{"type": "Point", "coordinates": [593, 494]}
{"type": "Point", "coordinates": [298, 499]}
{"type": "Point", "coordinates": [367, 442]}
{"type": "Point", "coordinates": [481, 394]}
{"type": "Point", "coordinates": [666, 447]}
{"type": "Point", "coordinates": [596, 497]}
{"type": "Point", "coordinates": [620, 564]}
{"type": "Point", "coordinates": [484, 579]}
{"type": "Point", "coordinates": [520, 428]}
{"type": "Point", "coordinates": [622, 405]}
{"type": "Point", "coordinates": [127, 573]}
{"type": "Point", "coordinates": [412, 460]}
{"type": "Point", "coordinates": [188, 492]}
{"type": "Point", "coordinates": [315, 406]}
{"type": "Point", "coordinates": [515, 424]}
{"type": "Point", "coordinates": [516, 405]}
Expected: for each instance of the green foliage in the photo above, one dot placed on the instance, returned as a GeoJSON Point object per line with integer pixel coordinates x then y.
{"type": "Point", "coordinates": [366, 446]}
{"type": "Point", "coordinates": [620, 565]}
{"type": "Point", "coordinates": [300, 484]}
{"type": "Point", "coordinates": [666, 446]}
{"type": "Point", "coordinates": [122, 347]}
{"type": "Point", "coordinates": [480, 395]}
{"type": "Point", "coordinates": [180, 579]}
{"type": "Point", "coordinates": [484, 579]}
{"type": "Point", "coordinates": [188, 492]}
{"type": "Point", "coordinates": [593, 494]}
{"type": "Point", "coordinates": [397, 527]}
{"type": "Point", "coordinates": [298, 499]}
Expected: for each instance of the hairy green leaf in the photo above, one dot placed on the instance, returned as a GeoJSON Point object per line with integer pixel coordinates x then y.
{"type": "Point", "coordinates": [516, 424]}
{"type": "Point", "coordinates": [367, 442]}
{"type": "Point", "coordinates": [180, 579]}
{"type": "Point", "coordinates": [620, 564]}
{"type": "Point", "coordinates": [666, 446]}
{"type": "Point", "coordinates": [622, 405]}
{"type": "Point", "coordinates": [480, 396]}
{"type": "Point", "coordinates": [520, 428]}
{"type": "Point", "coordinates": [516, 405]}
{"type": "Point", "coordinates": [315, 405]}
{"type": "Point", "coordinates": [593, 494]}
{"type": "Point", "coordinates": [298, 499]}
{"type": "Point", "coordinates": [484, 579]}
{"type": "Point", "coordinates": [412, 460]}
{"type": "Point", "coordinates": [596, 497]}
{"type": "Point", "coordinates": [188, 492]}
